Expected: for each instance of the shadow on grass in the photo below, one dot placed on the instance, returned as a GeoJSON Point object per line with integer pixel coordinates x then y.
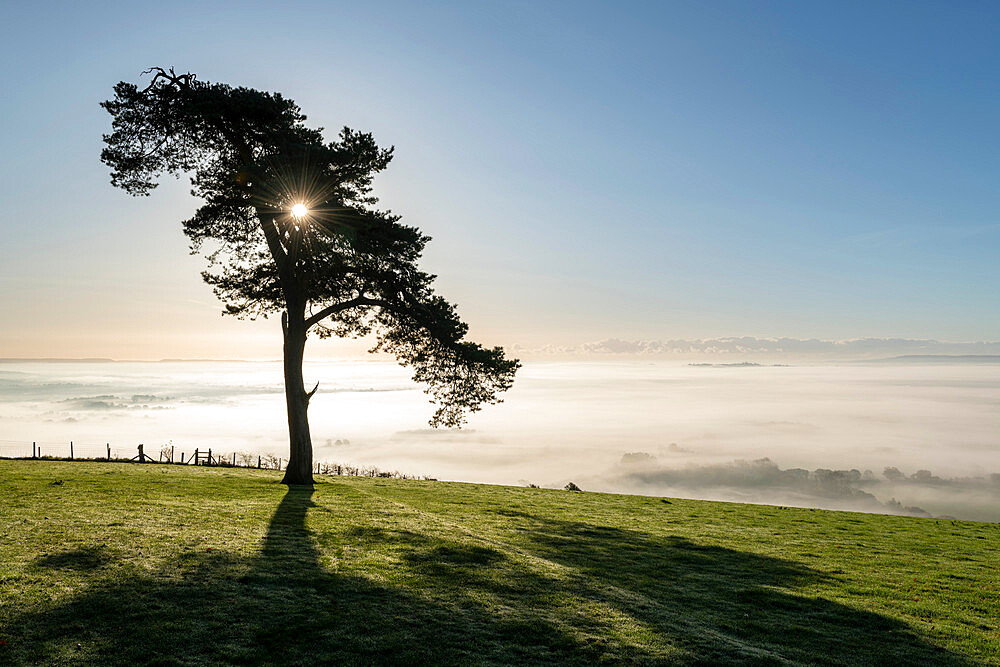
{"type": "Point", "coordinates": [577, 593]}
{"type": "Point", "coordinates": [83, 559]}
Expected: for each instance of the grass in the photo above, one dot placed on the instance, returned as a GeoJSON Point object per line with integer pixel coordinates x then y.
{"type": "Point", "coordinates": [153, 564]}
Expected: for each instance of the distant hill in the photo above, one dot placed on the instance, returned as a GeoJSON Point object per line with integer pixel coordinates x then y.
{"type": "Point", "coordinates": [937, 359]}
{"type": "Point", "coordinates": [741, 364]}
{"type": "Point", "coordinates": [52, 360]}
{"type": "Point", "coordinates": [105, 360]}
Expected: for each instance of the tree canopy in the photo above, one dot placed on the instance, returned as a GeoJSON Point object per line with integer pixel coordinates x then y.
{"type": "Point", "coordinates": [343, 268]}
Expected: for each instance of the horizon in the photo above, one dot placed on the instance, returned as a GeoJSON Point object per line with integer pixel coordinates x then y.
{"type": "Point", "coordinates": [612, 349]}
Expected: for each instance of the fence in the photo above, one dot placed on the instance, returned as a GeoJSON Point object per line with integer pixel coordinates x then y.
{"type": "Point", "coordinates": [71, 450]}
{"type": "Point", "coordinates": [61, 450]}
{"type": "Point", "coordinates": [170, 454]}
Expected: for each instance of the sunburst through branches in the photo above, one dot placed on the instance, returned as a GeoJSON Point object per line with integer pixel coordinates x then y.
{"type": "Point", "coordinates": [300, 190]}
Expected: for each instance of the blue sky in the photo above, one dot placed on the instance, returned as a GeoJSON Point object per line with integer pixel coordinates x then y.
{"type": "Point", "coordinates": [587, 170]}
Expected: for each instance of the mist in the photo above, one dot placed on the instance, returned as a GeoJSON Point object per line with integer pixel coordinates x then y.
{"type": "Point", "coordinates": [789, 435]}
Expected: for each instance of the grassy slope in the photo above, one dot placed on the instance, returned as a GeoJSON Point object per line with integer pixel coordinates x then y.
{"type": "Point", "coordinates": [174, 565]}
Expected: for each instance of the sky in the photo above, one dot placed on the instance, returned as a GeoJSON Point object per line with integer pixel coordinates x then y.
{"type": "Point", "coordinates": [588, 171]}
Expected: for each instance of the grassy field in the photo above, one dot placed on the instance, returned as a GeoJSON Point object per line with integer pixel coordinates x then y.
{"type": "Point", "coordinates": [156, 564]}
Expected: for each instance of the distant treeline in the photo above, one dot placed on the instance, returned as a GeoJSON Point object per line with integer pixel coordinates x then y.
{"type": "Point", "coordinates": [851, 487]}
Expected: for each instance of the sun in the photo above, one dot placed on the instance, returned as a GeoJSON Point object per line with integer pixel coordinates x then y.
{"type": "Point", "coordinates": [299, 211]}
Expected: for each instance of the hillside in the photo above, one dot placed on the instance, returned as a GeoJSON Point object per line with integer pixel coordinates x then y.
{"type": "Point", "coordinates": [114, 562]}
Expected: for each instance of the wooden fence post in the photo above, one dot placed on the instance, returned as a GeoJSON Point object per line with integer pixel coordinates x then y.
{"type": "Point", "coordinates": [109, 451]}
{"type": "Point", "coordinates": [34, 451]}
{"type": "Point", "coordinates": [258, 463]}
{"type": "Point", "coordinates": [209, 456]}
{"type": "Point", "coordinates": [70, 450]}
{"type": "Point", "coordinates": [171, 453]}
{"type": "Point", "coordinates": [182, 457]}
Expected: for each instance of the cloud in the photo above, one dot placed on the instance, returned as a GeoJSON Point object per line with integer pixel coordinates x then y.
{"type": "Point", "coordinates": [444, 435]}
{"type": "Point", "coordinates": [570, 420]}
{"type": "Point", "coordinates": [113, 402]}
{"type": "Point", "coordinates": [857, 348]}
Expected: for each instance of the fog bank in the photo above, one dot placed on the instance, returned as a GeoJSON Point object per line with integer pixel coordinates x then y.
{"type": "Point", "coordinates": [563, 421]}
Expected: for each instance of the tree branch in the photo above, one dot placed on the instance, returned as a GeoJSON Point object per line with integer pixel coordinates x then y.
{"type": "Point", "coordinates": [179, 80]}
{"type": "Point", "coordinates": [343, 305]}
{"type": "Point", "coordinates": [273, 239]}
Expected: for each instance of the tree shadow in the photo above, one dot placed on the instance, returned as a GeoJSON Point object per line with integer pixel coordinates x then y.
{"type": "Point", "coordinates": [577, 593]}
{"type": "Point", "coordinates": [719, 603]}
{"type": "Point", "coordinates": [83, 559]}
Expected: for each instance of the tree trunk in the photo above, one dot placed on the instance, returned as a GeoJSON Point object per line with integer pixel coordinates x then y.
{"type": "Point", "coordinates": [300, 454]}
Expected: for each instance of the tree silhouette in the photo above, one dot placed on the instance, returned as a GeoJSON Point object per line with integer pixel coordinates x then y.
{"type": "Point", "coordinates": [289, 225]}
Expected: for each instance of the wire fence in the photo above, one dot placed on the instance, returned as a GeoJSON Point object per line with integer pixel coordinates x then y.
{"type": "Point", "coordinates": [172, 455]}
{"type": "Point", "coordinates": [62, 450]}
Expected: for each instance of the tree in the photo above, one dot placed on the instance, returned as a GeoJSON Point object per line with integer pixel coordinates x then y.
{"type": "Point", "coordinates": [289, 225]}
{"type": "Point", "coordinates": [893, 474]}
